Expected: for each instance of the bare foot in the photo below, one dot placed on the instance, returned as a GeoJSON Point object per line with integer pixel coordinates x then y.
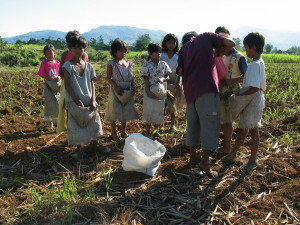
{"type": "Point", "coordinates": [249, 166]}
{"type": "Point", "coordinates": [225, 150]}
{"type": "Point", "coordinates": [124, 134]}
{"type": "Point", "coordinates": [114, 136]}
{"type": "Point", "coordinates": [230, 157]}
{"type": "Point", "coordinates": [195, 159]}
{"type": "Point", "coordinates": [93, 144]}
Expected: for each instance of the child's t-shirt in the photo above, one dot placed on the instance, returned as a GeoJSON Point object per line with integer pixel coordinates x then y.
{"type": "Point", "coordinates": [172, 62]}
{"type": "Point", "coordinates": [49, 69]}
{"type": "Point", "coordinates": [149, 69]}
{"type": "Point", "coordinates": [81, 85]}
{"type": "Point", "coordinates": [255, 75]}
{"type": "Point", "coordinates": [121, 73]}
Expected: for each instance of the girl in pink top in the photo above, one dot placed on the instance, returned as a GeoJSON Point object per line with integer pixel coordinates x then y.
{"type": "Point", "coordinates": [49, 70]}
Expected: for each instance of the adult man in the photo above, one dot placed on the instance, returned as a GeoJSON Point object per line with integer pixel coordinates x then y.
{"type": "Point", "coordinates": [201, 88]}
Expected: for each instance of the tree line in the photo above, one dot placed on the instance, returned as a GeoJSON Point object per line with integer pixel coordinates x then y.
{"type": "Point", "coordinates": [140, 44]}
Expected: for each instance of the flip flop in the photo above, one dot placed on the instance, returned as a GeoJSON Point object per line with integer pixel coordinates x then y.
{"type": "Point", "coordinates": [209, 172]}
{"type": "Point", "coordinates": [218, 150]}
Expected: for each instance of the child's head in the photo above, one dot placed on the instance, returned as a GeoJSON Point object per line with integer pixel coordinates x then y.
{"type": "Point", "coordinates": [77, 44]}
{"type": "Point", "coordinates": [187, 36]}
{"type": "Point", "coordinates": [170, 42]}
{"type": "Point", "coordinates": [255, 42]}
{"type": "Point", "coordinates": [222, 30]}
{"type": "Point", "coordinates": [49, 52]}
{"type": "Point", "coordinates": [154, 51]}
{"type": "Point", "coordinates": [70, 34]}
{"type": "Point", "coordinates": [78, 41]}
{"type": "Point", "coordinates": [118, 48]}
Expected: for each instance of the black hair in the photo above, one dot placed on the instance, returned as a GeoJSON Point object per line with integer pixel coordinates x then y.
{"type": "Point", "coordinates": [167, 38]}
{"type": "Point", "coordinates": [78, 40]}
{"type": "Point", "coordinates": [187, 36]}
{"type": "Point", "coordinates": [48, 47]}
{"type": "Point", "coordinates": [152, 47]}
{"type": "Point", "coordinates": [222, 29]}
{"type": "Point", "coordinates": [255, 39]}
{"type": "Point", "coordinates": [117, 45]}
{"type": "Point", "coordinates": [71, 33]}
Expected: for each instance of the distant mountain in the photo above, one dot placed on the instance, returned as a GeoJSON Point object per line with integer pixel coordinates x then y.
{"type": "Point", "coordinates": [127, 34]}
{"type": "Point", "coordinates": [281, 39]}
{"type": "Point", "coordinates": [54, 34]}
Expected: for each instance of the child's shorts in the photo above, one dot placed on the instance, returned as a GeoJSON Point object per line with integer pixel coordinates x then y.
{"type": "Point", "coordinates": [251, 116]}
{"type": "Point", "coordinates": [203, 121]}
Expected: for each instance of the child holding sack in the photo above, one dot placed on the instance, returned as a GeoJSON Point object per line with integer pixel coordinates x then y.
{"type": "Point", "coordinates": [120, 105]}
{"type": "Point", "coordinates": [250, 102]}
{"type": "Point", "coordinates": [84, 124]}
{"type": "Point", "coordinates": [156, 74]}
{"type": "Point", "coordinates": [49, 70]}
{"type": "Point", "coordinates": [236, 65]}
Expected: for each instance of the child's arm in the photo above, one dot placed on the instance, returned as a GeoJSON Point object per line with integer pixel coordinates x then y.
{"type": "Point", "coordinates": [93, 102]}
{"type": "Point", "coordinates": [233, 81]}
{"type": "Point", "coordinates": [111, 82]}
{"type": "Point", "coordinates": [147, 87]}
{"type": "Point", "coordinates": [69, 89]}
{"type": "Point", "coordinates": [164, 79]}
{"type": "Point", "coordinates": [62, 61]}
{"type": "Point", "coordinates": [250, 91]}
{"type": "Point", "coordinates": [55, 78]}
{"type": "Point", "coordinates": [132, 86]}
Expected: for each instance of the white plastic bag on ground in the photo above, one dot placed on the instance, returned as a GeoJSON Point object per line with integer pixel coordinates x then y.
{"type": "Point", "coordinates": [141, 154]}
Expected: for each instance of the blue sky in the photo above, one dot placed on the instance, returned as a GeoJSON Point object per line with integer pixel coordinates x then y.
{"type": "Point", "coordinates": [176, 16]}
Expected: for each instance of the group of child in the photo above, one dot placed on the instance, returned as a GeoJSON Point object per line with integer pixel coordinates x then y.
{"type": "Point", "coordinates": [172, 79]}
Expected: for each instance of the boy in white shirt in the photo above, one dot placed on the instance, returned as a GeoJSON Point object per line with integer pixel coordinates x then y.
{"type": "Point", "coordinates": [254, 83]}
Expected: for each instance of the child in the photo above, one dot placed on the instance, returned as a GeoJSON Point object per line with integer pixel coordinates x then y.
{"type": "Point", "coordinates": [49, 71]}
{"type": "Point", "coordinates": [254, 83]}
{"type": "Point", "coordinates": [236, 65]}
{"type": "Point", "coordinates": [66, 56]}
{"type": "Point", "coordinates": [188, 36]}
{"type": "Point", "coordinates": [155, 73]}
{"type": "Point", "coordinates": [120, 105]}
{"type": "Point", "coordinates": [174, 97]}
{"type": "Point", "coordinates": [84, 124]}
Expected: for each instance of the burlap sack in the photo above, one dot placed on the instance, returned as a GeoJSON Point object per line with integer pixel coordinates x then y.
{"type": "Point", "coordinates": [125, 97]}
{"type": "Point", "coordinates": [237, 103]}
{"type": "Point", "coordinates": [54, 85]}
{"type": "Point", "coordinates": [82, 115]}
{"type": "Point", "coordinates": [158, 89]}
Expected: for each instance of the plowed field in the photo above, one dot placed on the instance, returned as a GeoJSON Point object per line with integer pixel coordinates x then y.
{"type": "Point", "coordinates": [42, 182]}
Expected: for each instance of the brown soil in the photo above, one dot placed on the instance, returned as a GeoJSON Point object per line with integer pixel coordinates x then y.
{"type": "Point", "coordinates": [178, 194]}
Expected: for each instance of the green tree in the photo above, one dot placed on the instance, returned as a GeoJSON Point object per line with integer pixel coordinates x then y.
{"type": "Point", "coordinates": [3, 44]}
{"type": "Point", "coordinates": [295, 50]}
{"type": "Point", "coordinates": [101, 45]}
{"type": "Point", "coordinates": [269, 48]}
{"type": "Point", "coordinates": [238, 44]}
{"type": "Point", "coordinates": [93, 43]}
{"type": "Point", "coordinates": [34, 41]}
{"type": "Point", "coordinates": [142, 42]}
